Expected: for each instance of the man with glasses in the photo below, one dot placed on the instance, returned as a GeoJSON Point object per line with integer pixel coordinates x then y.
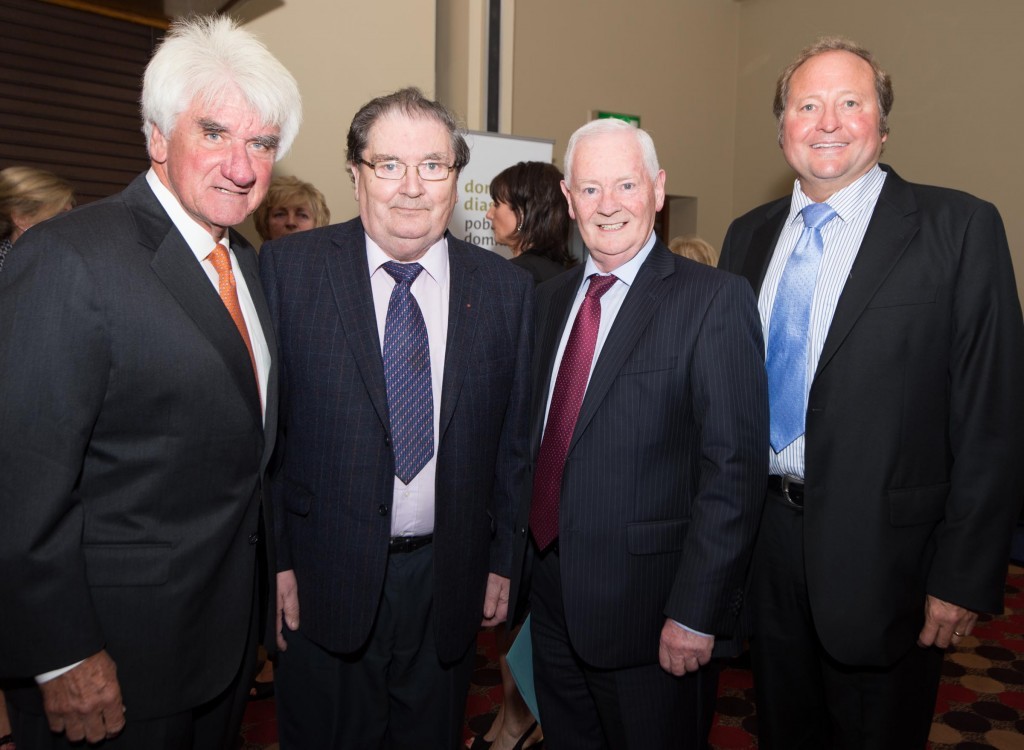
{"type": "Point", "coordinates": [404, 399]}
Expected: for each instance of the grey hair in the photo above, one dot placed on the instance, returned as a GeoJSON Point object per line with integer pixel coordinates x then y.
{"type": "Point", "coordinates": [411, 102]}
{"type": "Point", "coordinates": [206, 57]}
{"type": "Point", "coordinates": [611, 125]}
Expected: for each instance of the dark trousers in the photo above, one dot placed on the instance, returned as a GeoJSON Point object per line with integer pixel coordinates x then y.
{"type": "Point", "coordinates": [805, 699]}
{"type": "Point", "coordinates": [637, 708]}
{"type": "Point", "coordinates": [214, 725]}
{"type": "Point", "coordinates": [393, 693]}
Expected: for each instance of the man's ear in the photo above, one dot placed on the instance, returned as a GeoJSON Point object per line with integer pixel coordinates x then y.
{"type": "Point", "coordinates": [157, 145]}
{"type": "Point", "coordinates": [568, 199]}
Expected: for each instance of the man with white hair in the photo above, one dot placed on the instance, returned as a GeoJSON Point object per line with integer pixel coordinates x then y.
{"type": "Point", "coordinates": [139, 414]}
{"type": "Point", "coordinates": [649, 409]}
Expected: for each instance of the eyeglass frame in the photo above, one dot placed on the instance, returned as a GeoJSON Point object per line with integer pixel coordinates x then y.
{"type": "Point", "coordinates": [373, 166]}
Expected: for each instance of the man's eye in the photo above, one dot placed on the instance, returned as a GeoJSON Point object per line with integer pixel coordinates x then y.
{"type": "Point", "coordinates": [388, 166]}
{"type": "Point", "coordinates": [850, 103]}
{"type": "Point", "coordinates": [628, 185]}
{"type": "Point", "coordinates": [430, 166]}
{"type": "Point", "coordinates": [590, 191]}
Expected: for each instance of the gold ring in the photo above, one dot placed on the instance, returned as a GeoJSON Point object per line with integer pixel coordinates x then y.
{"type": "Point", "coordinates": [958, 634]}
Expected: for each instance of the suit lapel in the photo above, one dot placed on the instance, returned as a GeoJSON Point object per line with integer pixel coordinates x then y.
{"type": "Point", "coordinates": [349, 277]}
{"type": "Point", "coordinates": [249, 268]}
{"type": "Point", "coordinates": [551, 323]}
{"type": "Point", "coordinates": [636, 312]}
{"type": "Point", "coordinates": [893, 225]}
{"type": "Point", "coordinates": [175, 265]}
{"type": "Point", "coordinates": [762, 244]}
{"type": "Point", "coordinates": [463, 308]}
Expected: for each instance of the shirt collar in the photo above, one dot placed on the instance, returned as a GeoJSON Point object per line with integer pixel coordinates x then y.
{"type": "Point", "coordinates": [434, 261]}
{"type": "Point", "coordinates": [848, 202]}
{"type": "Point", "coordinates": [627, 271]}
{"type": "Point", "coordinates": [196, 237]}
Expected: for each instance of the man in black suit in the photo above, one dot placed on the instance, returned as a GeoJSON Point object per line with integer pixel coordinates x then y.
{"type": "Point", "coordinates": [403, 437]}
{"type": "Point", "coordinates": [649, 416]}
{"type": "Point", "coordinates": [138, 415]}
{"type": "Point", "coordinates": [897, 419]}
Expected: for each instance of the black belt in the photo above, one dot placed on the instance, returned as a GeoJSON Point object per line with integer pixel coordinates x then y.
{"type": "Point", "coordinates": [791, 491]}
{"type": "Point", "coordinates": [400, 544]}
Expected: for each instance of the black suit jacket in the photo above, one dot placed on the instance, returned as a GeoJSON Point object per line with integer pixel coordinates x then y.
{"type": "Point", "coordinates": [132, 448]}
{"type": "Point", "coordinates": [334, 487]}
{"type": "Point", "coordinates": [665, 475]}
{"type": "Point", "coordinates": [915, 423]}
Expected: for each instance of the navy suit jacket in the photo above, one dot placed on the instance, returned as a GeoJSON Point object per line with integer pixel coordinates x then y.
{"type": "Point", "coordinates": [915, 422]}
{"type": "Point", "coordinates": [665, 475]}
{"type": "Point", "coordinates": [333, 486]}
{"type": "Point", "coordinates": [132, 449]}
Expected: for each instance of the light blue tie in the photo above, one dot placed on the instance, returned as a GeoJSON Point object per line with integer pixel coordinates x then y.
{"type": "Point", "coordinates": [407, 375]}
{"type": "Point", "coordinates": [789, 330]}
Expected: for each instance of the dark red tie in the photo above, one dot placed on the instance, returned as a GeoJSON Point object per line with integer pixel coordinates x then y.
{"type": "Point", "coordinates": [571, 384]}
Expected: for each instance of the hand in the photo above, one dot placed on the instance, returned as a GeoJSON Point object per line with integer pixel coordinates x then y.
{"type": "Point", "coordinates": [287, 604]}
{"type": "Point", "coordinates": [495, 600]}
{"type": "Point", "coordinates": [85, 702]}
{"type": "Point", "coordinates": [944, 623]}
{"type": "Point", "coordinates": [682, 651]}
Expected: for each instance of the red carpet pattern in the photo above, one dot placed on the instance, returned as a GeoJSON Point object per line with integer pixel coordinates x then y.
{"type": "Point", "coordinates": [980, 704]}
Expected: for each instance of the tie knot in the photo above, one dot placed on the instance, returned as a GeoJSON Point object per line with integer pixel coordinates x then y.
{"type": "Point", "coordinates": [816, 215]}
{"type": "Point", "coordinates": [600, 284]}
{"type": "Point", "coordinates": [219, 258]}
{"type": "Point", "coordinates": [403, 273]}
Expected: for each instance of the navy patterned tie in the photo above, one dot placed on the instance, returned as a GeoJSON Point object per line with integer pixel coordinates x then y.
{"type": "Point", "coordinates": [407, 375]}
{"type": "Point", "coordinates": [789, 330]}
{"type": "Point", "coordinates": [566, 400]}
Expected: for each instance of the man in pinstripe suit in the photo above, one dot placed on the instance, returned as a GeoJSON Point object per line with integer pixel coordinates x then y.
{"type": "Point", "coordinates": [641, 564]}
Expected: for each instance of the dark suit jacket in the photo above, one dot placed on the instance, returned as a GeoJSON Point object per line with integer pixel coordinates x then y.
{"type": "Point", "coordinates": [665, 474]}
{"type": "Point", "coordinates": [915, 424]}
{"type": "Point", "coordinates": [334, 487]}
{"type": "Point", "coordinates": [132, 449]}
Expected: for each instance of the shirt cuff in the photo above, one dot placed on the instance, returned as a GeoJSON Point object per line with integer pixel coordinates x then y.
{"type": "Point", "coordinates": [689, 630]}
{"type": "Point", "coordinates": [47, 676]}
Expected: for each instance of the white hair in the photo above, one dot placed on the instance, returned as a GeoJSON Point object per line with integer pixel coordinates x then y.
{"type": "Point", "coordinates": [205, 58]}
{"type": "Point", "coordinates": [612, 125]}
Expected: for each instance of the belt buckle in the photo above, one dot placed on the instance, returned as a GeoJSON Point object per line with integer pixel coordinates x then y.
{"type": "Point", "coordinates": [787, 480]}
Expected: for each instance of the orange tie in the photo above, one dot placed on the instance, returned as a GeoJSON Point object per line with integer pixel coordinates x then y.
{"type": "Point", "coordinates": [226, 286]}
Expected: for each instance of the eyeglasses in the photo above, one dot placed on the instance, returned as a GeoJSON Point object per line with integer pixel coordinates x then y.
{"type": "Point", "coordinates": [432, 171]}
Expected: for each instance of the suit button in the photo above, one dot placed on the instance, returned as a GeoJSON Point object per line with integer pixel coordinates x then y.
{"type": "Point", "coordinates": [383, 509]}
{"type": "Point", "coordinates": [522, 531]}
{"type": "Point", "coordinates": [254, 538]}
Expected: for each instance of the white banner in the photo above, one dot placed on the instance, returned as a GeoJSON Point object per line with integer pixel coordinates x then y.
{"type": "Point", "coordinates": [490, 153]}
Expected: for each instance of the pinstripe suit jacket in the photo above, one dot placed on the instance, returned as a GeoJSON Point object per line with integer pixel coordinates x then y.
{"type": "Point", "coordinates": [333, 485]}
{"type": "Point", "coordinates": [666, 469]}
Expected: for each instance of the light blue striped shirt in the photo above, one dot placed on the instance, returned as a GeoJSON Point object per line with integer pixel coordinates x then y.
{"type": "Point", "coordinates": [842, 236]}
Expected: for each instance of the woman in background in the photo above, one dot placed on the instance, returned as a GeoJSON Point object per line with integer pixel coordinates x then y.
{"type": "Point", "coordinates": [694, 248]}
{"type": "Point", "coordinates": [531, 217]}
{"type": "Point", "coordinates": [291, 205]}
{"type": "Point", "coordinates": [27, 197]}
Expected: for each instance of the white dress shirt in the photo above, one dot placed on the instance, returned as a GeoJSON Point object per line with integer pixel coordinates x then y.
{"type": "Point", "coordinates": [412, 509]}
{"type": "Point", "coordinates": [842, 236]}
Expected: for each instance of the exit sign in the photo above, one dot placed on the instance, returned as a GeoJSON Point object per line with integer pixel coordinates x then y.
{"type": "Point", "coordinates": [633, 120]}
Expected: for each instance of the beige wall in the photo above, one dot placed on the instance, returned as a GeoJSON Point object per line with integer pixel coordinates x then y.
{"type": "Point", "coordinates": [332, 49]}
{"type": "Point", "coordinates": [673, 62]}
{"type": "Point", "coordinates": [956, 70]}
{"type": "Point", "coordinates": [700, 73]}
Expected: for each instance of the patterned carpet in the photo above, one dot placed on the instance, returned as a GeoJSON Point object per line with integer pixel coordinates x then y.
{"type": "Point", "coordinates": [980, 705]}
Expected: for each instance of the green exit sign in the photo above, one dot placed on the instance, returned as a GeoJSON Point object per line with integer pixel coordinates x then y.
{"type": "Point", "coordinates": [633, 120]}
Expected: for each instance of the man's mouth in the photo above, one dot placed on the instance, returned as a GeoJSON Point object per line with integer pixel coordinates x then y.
{"type": "Point", "coordinates": [611, 227]}
{"type": "Point", "coordinates": [828, 145]}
